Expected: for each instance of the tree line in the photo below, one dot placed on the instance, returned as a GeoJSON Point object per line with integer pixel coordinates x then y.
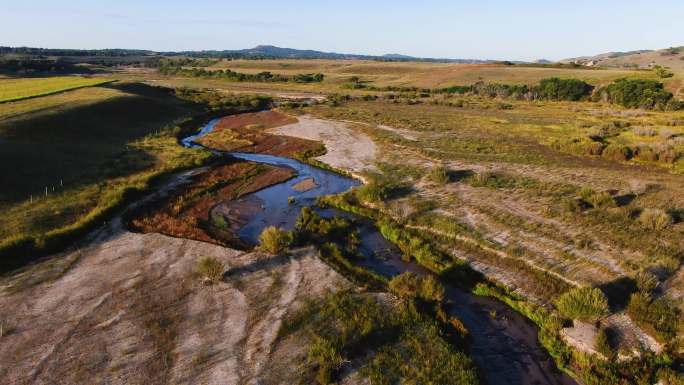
{"type": "Point", "coordinates": [241, 77]}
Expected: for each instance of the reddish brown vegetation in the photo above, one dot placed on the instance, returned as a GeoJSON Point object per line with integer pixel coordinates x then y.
{"type": "Point", "coordinates": [251, 128]}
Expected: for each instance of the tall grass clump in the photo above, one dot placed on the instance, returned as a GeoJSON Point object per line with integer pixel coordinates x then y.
{"type": "Point", "coordinates": [439, 175]}
{"type": "Point", "coordinates": [210, 269]}
{"type": "Point", "coordinates": [274, 240]}
{"type": "Point", "coordinates": [617, 152]}
{"type": "Point", "coordinates": [655, 219]}
{"type": "Point", "coordinates": [585, 303]}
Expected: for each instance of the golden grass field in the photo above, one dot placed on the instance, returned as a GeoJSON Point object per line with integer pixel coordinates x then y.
{"type": "Point", "coordinates": [13, 89]}
{"type": "Point", "coordinates": [428, 75]}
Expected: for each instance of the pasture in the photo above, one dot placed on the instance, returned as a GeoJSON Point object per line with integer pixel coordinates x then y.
{"type": "Point", "coordinates": [13, 89]}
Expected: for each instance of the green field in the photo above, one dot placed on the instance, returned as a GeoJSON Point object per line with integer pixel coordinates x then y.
{"type": "Point", "coordinates": [25, 88]}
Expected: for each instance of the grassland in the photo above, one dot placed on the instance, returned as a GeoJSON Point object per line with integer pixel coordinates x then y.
{"type": "Point", "coordinates": [69, 159]}
{"type": "Point", "coordinates": [427, 75]}
{"type": "Point", "coordinates": [26, 88]}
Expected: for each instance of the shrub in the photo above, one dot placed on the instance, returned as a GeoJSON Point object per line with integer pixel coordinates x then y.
{"type": "Point", "coordinates": [655, 219]}
{"type": "Point", "coordinates": [562, 89]}
{"type": "Point", "coordinates": [597, 199]}
{"type": "Point", "coordinates": [326, 357]}
{"type": "Point", "coordinates": [659, 317]}
{"type": "Point", "coordinates": [580, 146]}
{"type": "Point", "coordinates": [667, 154]}
{"type": "Point", "coordinates": [410, 285]}
{"type": "Point", "coordinates": [662, 72]}
{"type": "Point", "coordinates": [380, 188]}
{"type": "Point", "coordinates": [636, 93]}
{"type": "Point", "coordinates": [646, 153]}
{"type": "Point", "coordinates": [210, 269]}
{"type": "Point", "coordinates": [617, 152]}
{"type": "Point", "coordinates": [646, 282]}
{"type": "Point", "coordinates": [439, 175]}
{"type": "Point", "coordinates": [274, 240]}
{"type": "Point", "coordinates": [585, 303]}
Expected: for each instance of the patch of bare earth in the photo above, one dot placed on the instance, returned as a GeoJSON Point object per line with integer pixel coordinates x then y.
{"type": "Point", "coordinates": [129, 308]}
{"type": "Point", "coordinates": [347, 148]}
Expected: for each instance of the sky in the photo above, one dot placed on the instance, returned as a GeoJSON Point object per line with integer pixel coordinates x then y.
{"type": "Point", "coordinates": [475, 29]}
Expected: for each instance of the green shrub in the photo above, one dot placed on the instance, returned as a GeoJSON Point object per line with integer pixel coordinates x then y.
{"type": "Point", "coordinates": [636, 93]}
{"type": "Point", "coordinates": [579, 146]}
{"type": "Point", "coordinates": [326, 357]}
{"type": "Point", "coordinates": [655, 219]}
{"type": "Point", "coordinates": [562, 89]}
{"type": "Point", "coordinates": [379, 188]}
{"type": "Point", "coordinates": [410, 285]}
{"type": "Point", "coordinates": [662, 72]}
{"type": "Point", "coordinates": [659, 317]}
{"type": "Point", "coordinates": [617, 152]}
{"type": "Point", "coordinates": [274, 240]}
{"type": "Point", "coordinates": [585, 303]}
{"type": "Point", "coordinates": [210, 269]}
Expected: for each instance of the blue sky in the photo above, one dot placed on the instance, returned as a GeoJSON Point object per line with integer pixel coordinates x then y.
{"type": "Point", "coordinates": [484, 29]}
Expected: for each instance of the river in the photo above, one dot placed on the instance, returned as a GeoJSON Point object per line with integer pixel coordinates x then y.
{"type": "Point", "coordinates": [504, 344]}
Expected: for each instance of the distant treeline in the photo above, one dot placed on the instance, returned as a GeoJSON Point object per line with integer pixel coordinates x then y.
{"type": "Point", "coordinates": [241, 77]}
{"type": "Point", "coordinates": [630, 93]}
{"type": "Point", "coordinates": [73, 52]}
{"type": "Point", "coordinates": [30, 65]}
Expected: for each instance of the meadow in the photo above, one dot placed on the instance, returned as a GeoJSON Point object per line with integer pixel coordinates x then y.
{"type": "Point", "coordinates": [13, 89]}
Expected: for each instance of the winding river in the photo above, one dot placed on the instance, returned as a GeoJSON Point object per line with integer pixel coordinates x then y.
{"type": "Point", "coordinates": [504, 344]}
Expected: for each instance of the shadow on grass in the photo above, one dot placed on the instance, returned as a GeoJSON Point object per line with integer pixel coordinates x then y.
{"type": "Point", "coordinates": [84, 144]}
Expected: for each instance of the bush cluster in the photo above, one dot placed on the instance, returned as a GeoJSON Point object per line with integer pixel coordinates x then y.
{"type": "Point", "coordinates": [352, 327]}
{"type": "Point", "coordinates": [410, 285]}
{"type": "Point", "coordinates": [638, 93]}
{"type": "Point", "coordinates": [585, 303]}
{"type": "Point", "coordinates": [274, 240]}
{"type": "Point", "coordinates": [655, 219]}
{"type": "Point", "coordinates": [658, 316]}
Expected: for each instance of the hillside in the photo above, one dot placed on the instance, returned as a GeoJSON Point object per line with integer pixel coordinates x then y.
{"type": "Point", "coordinates": [669, 57]}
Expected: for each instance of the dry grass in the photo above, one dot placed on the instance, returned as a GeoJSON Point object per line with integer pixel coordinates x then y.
{"type": "Point", "coordinates": [429, 75]}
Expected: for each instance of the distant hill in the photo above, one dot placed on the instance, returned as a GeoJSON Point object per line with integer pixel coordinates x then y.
{"type": "Point", "coordinates": [258, 52]}
{"type": "Point", "coordinates": [273, 52]}
{"type": "Point", "coordinates": [672, 57]}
